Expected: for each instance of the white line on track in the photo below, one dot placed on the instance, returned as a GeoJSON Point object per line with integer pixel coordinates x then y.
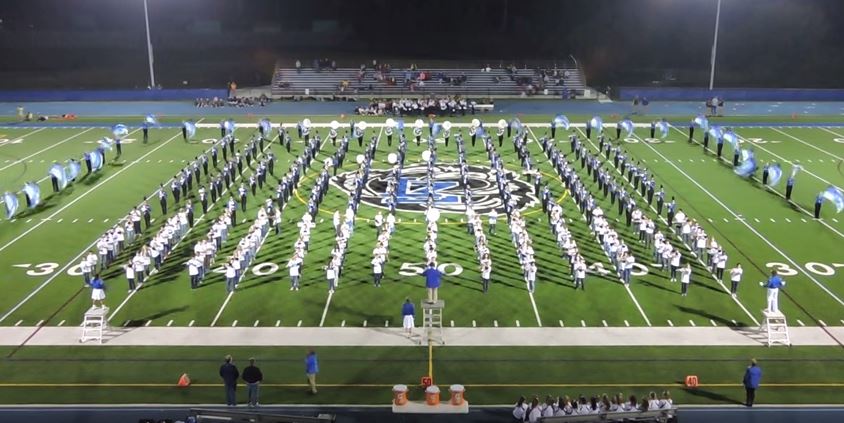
{"type": "Point", "coordinates": [84, 250]}
{"type": "Point", "coordinates": [51, 146]}
{"type": "Point", "coordinates": [325, 310]}
{"type": "Point", "coordinates": [223, 307]}
{"type": "Point", "coordinates": [752, 229]}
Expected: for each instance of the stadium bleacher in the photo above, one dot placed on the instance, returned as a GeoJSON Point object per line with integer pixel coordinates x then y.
{"type": "Point", "coordinates": [308, 82]}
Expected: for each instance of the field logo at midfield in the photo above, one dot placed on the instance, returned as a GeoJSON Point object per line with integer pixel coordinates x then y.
{"type": "Point", "coordinates": [412, 189]}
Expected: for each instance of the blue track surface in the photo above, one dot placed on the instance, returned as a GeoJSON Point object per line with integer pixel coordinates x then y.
{"type": "Point", "coordinates": [667, 109]}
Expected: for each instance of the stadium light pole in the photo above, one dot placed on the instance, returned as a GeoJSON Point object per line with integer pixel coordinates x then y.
{"type": "Point", "coordinates": [149, 48]}
{"type": "Point", "coordinates": [714, 47]}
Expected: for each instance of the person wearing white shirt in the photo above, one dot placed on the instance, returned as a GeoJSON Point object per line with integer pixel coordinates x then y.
{"type": "Point", "coordinates": [735, 278]}
{"type": "Point", "coordinates": [685, 278]}
{"type": "Point", "coordinates": [486, 271]}
{"type": "Point", "coordinates": [85, 267]}
{"type": "Point", "coordinates": [580, 274]}
{"type": "Point", "coordinates": [675, 264]}
{"type": "Point", "coordinates": [720, 264]}
{"type": "Point", "coordinates": [130, 275]}
{"type": "Point", "coordinates": [377, 271]}
{"type": "Point", "coordinates": [379, 219]}
{"type": "Point", "coordinates": [520, 410]}
{"type": "Point", "coordinates": [231, 277]}
{"type": "Point", "coordinates": [294, 265]}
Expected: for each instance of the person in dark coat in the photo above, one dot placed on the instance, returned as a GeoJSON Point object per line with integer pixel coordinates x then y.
{"type": "Point", "coordinates": [752, 377]}
{"type": "Point", "coordinates": [229, 373]}
{"type": "Point", "coordinates": [252, 376]}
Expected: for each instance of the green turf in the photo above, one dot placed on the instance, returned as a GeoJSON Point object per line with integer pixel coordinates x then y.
{"type": "Point", "coordinates": [704, 187]}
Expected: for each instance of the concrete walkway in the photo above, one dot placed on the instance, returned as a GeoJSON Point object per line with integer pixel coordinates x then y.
{"type": "Point", "coordinates": [612, 336]}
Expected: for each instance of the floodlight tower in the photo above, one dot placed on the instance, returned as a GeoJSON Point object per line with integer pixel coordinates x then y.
{"type": "Point", "coordinates": [149, 48]}
{"type": "Point", "coordinates": [714, 47]}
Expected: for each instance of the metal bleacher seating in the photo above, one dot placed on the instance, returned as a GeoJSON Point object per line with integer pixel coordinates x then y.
{"type": "Point", "coordinates": [308, 83]}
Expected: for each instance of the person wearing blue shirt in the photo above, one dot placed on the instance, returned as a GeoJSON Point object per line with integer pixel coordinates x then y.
{"type": "Point", "coordinates": [311, 370]}
{"type": "Point", "coordinates": [98, 291]}
{"type": "Point", "coordinates": [408, 312]}
{"type": "Point", "coordinates": [775, 282]}
{"type": "Point", "coordinates": [432, 281]}
{"type": "Point", "coordinates": [752, 377]}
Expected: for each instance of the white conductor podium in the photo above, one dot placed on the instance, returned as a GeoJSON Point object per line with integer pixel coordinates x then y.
{"type": "Point", "coordinates": [432, 321]}
{"type": "Point", "coordinates": [94, 324]}
{"type": "Point", "coordinates": [775, 328]}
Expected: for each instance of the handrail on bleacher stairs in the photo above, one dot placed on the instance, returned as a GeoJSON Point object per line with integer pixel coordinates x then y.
{"type": "Point", "coordinates": [223, 415]}
{"type": "Point", "coordinates": [657, 416]}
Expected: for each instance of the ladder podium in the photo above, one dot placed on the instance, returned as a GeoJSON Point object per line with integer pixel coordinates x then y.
{"type": "Point", "coordinates": [432, 321]}
{"type": "Point", "coordinates": [94, 324]}
{"type": "Point", "coordinates": [774, 326]}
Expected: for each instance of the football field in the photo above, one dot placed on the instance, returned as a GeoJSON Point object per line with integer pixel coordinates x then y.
{"type": "Point", "coordinates": [755, 225]}
{"type": "Point", "coordinates": [40, 248]}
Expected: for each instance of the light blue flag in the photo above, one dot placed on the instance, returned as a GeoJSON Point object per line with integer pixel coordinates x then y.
{"type": "Point", "coordinates": [794, 169]}
{"type": "Point", "coordinates": [835, 196]}
{"type": "Point", "coordinates": [702, 122]}
{"type": "Point", "coordinates": [561, 121]}
{"type": "Point", "coordinates": [626, 125]}
{"type": "Point", "coordinates": [72, 170]}
{"type": "Point", "coordinates": [230, 126]}
{"type": "Point", "coordinates": [96, 160]}
{"type": "Point", "coordinates": [731, 137]}
{"type": "Point", "coordinates": [400, 124]}
{"type": "Point", "coordinates": [716, 132]}
{"type": "Point", "coordinates": [747, 165]}
{"type": "Point", "coordinates": [266, 126]}
{"type": "Point", "coordinates": [106, 143]}
{"type": "Point", "coordinates": [774, 174]}
{"type": "Point", "coordinates": [517, 127]}
{"type": "Point", "coordinates": [597, 124]}
{"type": "Point", "coordinates": [662, 127]}
{"type": "Point", "coordinates": [150, 120]}
{"type": "Point", "coordinates": [11, 201]}
{"type": "Point", "coordinates": [436, 129]}
{"type": "Point", "coordinates": [33, 191]}
{"type": "Point", "coordinates": [119, 131]}
{"type": "Point", "coordinates": [480, 132]}
{"type": "Point", "coordinates": [57, 171]}
{"type": "Point", "coordinates": [190, 128]}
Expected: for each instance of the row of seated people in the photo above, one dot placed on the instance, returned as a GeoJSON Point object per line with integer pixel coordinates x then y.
{"type": "Point", "coordinates": [445, 106]}
{"type": "Point", "coordinates": [534, 410]}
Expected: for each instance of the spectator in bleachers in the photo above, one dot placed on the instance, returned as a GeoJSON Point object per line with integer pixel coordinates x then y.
{"type": "Point", "coordinates": [298, 66]}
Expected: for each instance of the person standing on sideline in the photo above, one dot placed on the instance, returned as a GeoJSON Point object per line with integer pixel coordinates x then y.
{"type": "Point", "coordinates": [433, 278]}
{"type": "Point", "coordinates": [311, 370]}
{"type": "Point", "coordinates": [408, 312]}
{"type": "Point", "coordinates": [98, 291]}
{"type": "Point", "coordinates": [774, 284]}
{"type": "Point", "coordinates": [253, 377]}
{"type": "Point", "coordinates": [229, 373]}
{"type": "Point", "coordinates": [789, 188]}
{"type": "Point", "coordinates": [735, 278]}
{"type": "Point", "coordinates": [752, 377]}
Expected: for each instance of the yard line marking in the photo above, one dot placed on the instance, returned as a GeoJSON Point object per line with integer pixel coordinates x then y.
{"type": "Point", "coordinates": [256, 324]}
{"type": "Point", "coordinates": [51, 146]}
{"type": "Point", "coordinates": [28, 220]}
{"type": "Point", "coordinates": [583, 323]}
{"type": "Point", "coordinates": [278, 323]}
{"type": "Point", "coordinates": [234, 323]}
{"type": "Point", "coordinates": [713, 322]}
{"type": "Point", "coordinates": [822, 322]}
{"type": "Point", "coordinates": [726, 220]}
{"type": "Point", "coordinates": [59, 221]}
{"type": "Point", "coordinates": [105, 220]}
{"type": "Point", "coordinates": [561, 324]}
{"type": "Point", "coordinates": [343, 324]}
{"type": "Point", "coordinates": [325, 310]}
{"type": "Point", "coordinates": [670, 323]}
{"type": "Point", "coordinates": [495, 323]}
{"type": "Point", "coordinates": [709, 219]}
{"type": "Point", "coordinates": [147, 323]}
{"type": "Point", "coordinates": [191, 323]}
{"type": "Point", "coordinates": [604, 323]}
{"type": "Point", "coordinates": [752, 229]}
{"type": "Point", "coordinates": [62, 323]}
{"type": "Point", "coordinates": [626, 323]}
{"type": "Point", "coordinates": [79, 197]}
{"type": "Point", "coordinates": [788, 220]}
{"type": "Point", "coordinates": [518, 325]}
{"type": "Point", "coordinates": [364, 323]}
{"type": "Point", "coordinates": [474, 325]}
{"type": "Point", "coordinates": [835, 220]}
{"type": "Point", "coordinates": [800, 322]}
{"type": "Point", "coordinates": [772, 220]}
{"type": "Point", "coordinates": [126, 323]}
{"type": "Point", "coordinates": [735, 323]}
{"type": "Point", "coordinates": [842, 321]}
{"type": "Point", "coordinates": [804, 220]}
{"type": "Point", "coordinates": [19, 323]}
{"type": "Point", "coordinates": [170, 323]}
{"type": "Point", "coordinates": [298, 325]}
{"type": "Point", "coordinates": [692, 323]}
{"type": "Point", "coordinates": [386, 323]}
{"type": "Point", "coordinates": [535, 310]}
{"type": "Point", "coordinates": [757, 220]}
{"type": "Point", "coordinates": [220, 311]}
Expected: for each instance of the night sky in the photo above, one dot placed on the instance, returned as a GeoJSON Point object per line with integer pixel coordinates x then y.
{"type": "Point", "coordinates": [777, 43]}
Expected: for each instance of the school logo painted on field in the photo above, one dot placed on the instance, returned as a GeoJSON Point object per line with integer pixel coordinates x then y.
{"type": "Point", "coordinates": [412, 190]}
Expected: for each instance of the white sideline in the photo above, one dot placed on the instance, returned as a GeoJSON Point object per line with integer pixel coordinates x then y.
{"type": "Point", "coordinates": [744, 222]}
{"type": "Point", "coordinates": [44, 149]}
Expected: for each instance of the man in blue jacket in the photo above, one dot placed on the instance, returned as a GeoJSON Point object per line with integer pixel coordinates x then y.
{"type": "Point", "coordinates": [432, 281]}
{"type": "Point", "coordinates": [752, 377]}
{"type": "Point", "coordinates": [229, 373]}
{"type": "Point", "coordinates": [311, 370]}
{"type": "Point", "coordinates": [774, 284]}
